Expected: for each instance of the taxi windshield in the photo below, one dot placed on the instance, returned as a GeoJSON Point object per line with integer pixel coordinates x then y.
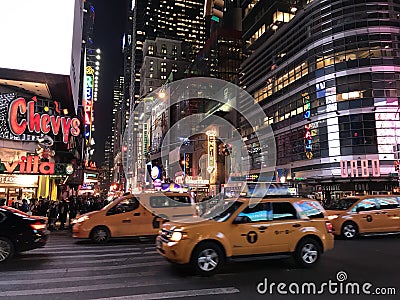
{"type": "Point", "coordinates": [222, 212]}
{"type": "Point", "coordinates": [342, 204]}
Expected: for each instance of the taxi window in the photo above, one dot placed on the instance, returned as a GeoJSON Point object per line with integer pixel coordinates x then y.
{"type": "Point", "coordinates": [169, 201]}
{"type": "Point", "coordinates": [388, 203]}
{"type": "Point", "coordinates": [284, 211]}
{"type": "Point", "coordinates": [366, 205]}
{"type": "Point", "coordinates": [310, 209]}
{"type": "Point", "coordinates": [260, 213]}
{"type": "Point", "coordinates": [124, 206]}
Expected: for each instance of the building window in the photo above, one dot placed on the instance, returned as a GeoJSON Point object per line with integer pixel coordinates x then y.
{"type": "Point", "coordinates": [163, 49]}
{"type": "Point", "coordinates": [150, 50]}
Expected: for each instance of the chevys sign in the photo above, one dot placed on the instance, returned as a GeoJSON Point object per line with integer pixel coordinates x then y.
{"type": "Point", "coordinates": [22, 118]}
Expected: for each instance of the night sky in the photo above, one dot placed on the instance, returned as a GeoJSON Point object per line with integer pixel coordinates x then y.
{"type": "Point", "coordinates": [109, 28]}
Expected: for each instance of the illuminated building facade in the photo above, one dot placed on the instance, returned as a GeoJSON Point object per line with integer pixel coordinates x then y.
{"type": "Point", "coordinates": [327, 75]}
{"type": "Point", "coordinates": [40, 130]}
{"type": "Point", "coordinates": [170, 19]}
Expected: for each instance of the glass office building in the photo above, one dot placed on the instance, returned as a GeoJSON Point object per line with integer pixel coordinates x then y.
{"type": "Point", "coordinates": [327, 75]}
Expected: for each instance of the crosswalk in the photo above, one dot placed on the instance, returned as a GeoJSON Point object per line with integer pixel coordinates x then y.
{"type": "Point", "coordinates": [65, 269]}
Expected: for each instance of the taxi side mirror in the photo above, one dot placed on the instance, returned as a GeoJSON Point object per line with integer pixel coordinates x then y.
{"type": "Point", "coordinates": [241, 220]}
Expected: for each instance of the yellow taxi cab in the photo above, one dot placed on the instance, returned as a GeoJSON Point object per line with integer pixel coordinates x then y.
{"type": "Point", "coordinates": [244, 227]}
{"type": "Point", "coordinates": [133, 215]}
{"type": "Point", "coordinates": [351, 216]}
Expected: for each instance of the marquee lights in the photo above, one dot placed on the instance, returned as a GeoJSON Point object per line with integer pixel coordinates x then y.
{"type": "Point", "coordinates": [307, 127]}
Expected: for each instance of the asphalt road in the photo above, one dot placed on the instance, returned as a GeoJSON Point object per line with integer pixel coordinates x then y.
{"type": "Point", "coordinates": [132, 269]}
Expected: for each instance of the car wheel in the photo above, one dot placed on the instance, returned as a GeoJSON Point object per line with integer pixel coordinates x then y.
{"type": "Point", "coordinates": [307, 252]}
{"type": "Point", "coordinates": [100, 235]}
{"type": "Point", "coordinates": [6, 249]}
{"type": "Point", "coordinates": [349, 230]}
{"type": "Point", "coordinates": [207, 258]}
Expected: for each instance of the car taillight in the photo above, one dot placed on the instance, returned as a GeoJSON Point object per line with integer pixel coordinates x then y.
{"type": "Point", "coordinates": [38, 226]}
{"type": "Point", "coordinates": [329, 227]}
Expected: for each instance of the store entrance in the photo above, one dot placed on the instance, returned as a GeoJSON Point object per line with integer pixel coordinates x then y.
{"type": "Point", "coordinates": [12, 194]}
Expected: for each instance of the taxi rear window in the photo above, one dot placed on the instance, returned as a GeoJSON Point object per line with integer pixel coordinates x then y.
{"type": "Point", "coordinates": [169, 201]}
{"type": "Point", "coordinates": [310, 209]}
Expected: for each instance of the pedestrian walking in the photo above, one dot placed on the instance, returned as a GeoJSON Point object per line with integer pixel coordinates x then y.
{"type": "Point", "coordinates": [53, 213]}
{"type": "Point", "coordinates": [62, 213]}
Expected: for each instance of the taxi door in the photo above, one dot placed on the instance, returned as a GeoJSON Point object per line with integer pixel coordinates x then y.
{"type": "Point", "coordinates": [285, 226]}
{"type": "Point", "coordinates": [390, 210]}
{"type": "Point", "coordinates": [368, 216]}
{"type": "Point", "coordinates": [250, 233]}
{"type": "Point", "coordinates": [124, 219]}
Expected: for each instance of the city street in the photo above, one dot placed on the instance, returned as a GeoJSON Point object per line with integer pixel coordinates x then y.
{"type": "Point", "coordinates": [131, 269]}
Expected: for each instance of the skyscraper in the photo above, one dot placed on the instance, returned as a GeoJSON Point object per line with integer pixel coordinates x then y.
{"type": "Point", "coordinates": [180, 20]}
{"type": "Point", "coordinates": [325, 74]}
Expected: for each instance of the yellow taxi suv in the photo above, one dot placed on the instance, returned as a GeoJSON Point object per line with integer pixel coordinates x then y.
{"type": "Point", "coordinates": [352, 216]}
{"type": "Point", "coordinates": [133, 215]}
{"type": "Point", "coordinates": [245, 227]}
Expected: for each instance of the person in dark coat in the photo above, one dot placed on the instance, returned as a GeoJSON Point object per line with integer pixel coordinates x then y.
{"type": "Point", "coordinates": [2, 201]}
{"type": "Point", "coordinates": [53, 212]}
{"type": "Point", "coordinates": [24, 207]}
{"type": "Point", "coordinates": [62, 213]}
{"type": "Point", "coordinates": [73, 210]}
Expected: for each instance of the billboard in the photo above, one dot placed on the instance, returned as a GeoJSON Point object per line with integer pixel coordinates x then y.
{"type": "Point", "coordinates": [42, 36]}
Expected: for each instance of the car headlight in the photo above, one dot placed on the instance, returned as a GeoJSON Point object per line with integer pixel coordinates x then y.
{"type": "Point", "coordinates": [333, 217]}
{"type": "Point", "coordinates": [82, 219]}
{"type": "Point", "coordinates": [177, 236]}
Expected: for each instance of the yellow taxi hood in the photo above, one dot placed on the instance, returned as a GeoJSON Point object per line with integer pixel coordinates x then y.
{"type": "Point", "coordinates": [196, 223]}
{"type": "Point", "coordinates": [88, 214]}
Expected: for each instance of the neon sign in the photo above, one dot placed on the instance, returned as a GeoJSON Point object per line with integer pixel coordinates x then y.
{"type": "Point", "coordinates": [211, 152]}
{"type": "Point", "coordinates": [22, 117]}
{"type": "Point", "coordinates": [28, 165]}
{"type": "Point", "coordinates": [88, 101]}
{"type": "Point", "coordinates": [307, 127]}
{"type": "Point", "coordinates": [365, 172]}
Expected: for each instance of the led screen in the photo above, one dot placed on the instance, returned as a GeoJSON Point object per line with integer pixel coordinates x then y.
{"type": "Point", "coordinates": [37, 35]}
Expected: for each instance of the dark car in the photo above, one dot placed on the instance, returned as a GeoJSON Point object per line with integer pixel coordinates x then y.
{"type": "Point", "coordinates": [20, 232]}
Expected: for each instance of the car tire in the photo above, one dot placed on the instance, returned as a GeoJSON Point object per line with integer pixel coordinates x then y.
{"type": "Point", "coordinates": [307, 253]}
{"type": "Point", "coordinates": [207, 258]}
{"type": "Point", "coordinates": [349, 230]}
{"type": "Point", "coordinates": [100, 235]}
{"type": "Point", "coordinates": [6, 249]}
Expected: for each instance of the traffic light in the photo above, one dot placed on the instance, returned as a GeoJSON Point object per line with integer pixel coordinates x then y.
{"type": "Point", "coordinates": [396, 165]}
{"type": "Point", "coordinates": [221, 149]}
{"type": "Point", "coordinates": [228, 149]}
{"type": "Point", "coordinates": [224, 149]}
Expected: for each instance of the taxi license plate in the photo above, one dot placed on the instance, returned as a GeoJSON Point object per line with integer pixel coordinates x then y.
{"type": "Point", "coordinates": [158, 244]}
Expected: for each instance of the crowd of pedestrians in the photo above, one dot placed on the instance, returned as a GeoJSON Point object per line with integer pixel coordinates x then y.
{"type": "Point", "coordinates": [60, 213]}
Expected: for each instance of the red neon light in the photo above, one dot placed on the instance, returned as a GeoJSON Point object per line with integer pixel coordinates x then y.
{"type": "Point", "coordinates": [40, 123]}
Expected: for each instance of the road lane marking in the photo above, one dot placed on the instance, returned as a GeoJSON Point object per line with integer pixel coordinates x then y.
{"type": "Point", "coordinates": [55, 262]}
{"type": "Point", "coordinates": [70, 270]}
{"type": "Point", "coordinates": [87, 250]}
{"type": "Point", "coordinates": [78, 278]}
{"type": "Point", "coordinates": [177, 294]}
{"type": "Point", "coordinates": [55, 256]}
{"type": "Point", "coordinates": [84, 288]}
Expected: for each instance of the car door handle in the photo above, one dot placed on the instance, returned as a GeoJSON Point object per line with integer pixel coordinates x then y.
{"type": "Point", "coordinates": [262, 227]}
{"type": "Point", "coordinates": [136, 214]}
{"type": "Point", "coordinates": [384, 212]}
{"type": "Point", "coordinates": [126, 221]}
{"type": "Point", "coordinates": [296, 225]}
